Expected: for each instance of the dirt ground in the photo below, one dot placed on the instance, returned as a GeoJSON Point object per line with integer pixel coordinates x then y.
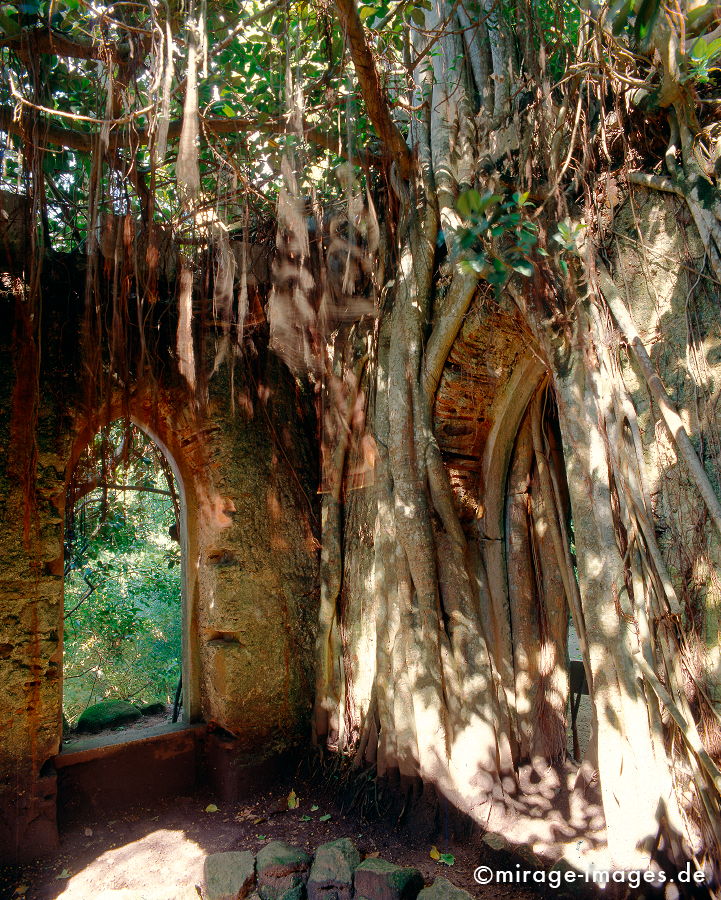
{"type": "Point", "coordinates": [159, 850]}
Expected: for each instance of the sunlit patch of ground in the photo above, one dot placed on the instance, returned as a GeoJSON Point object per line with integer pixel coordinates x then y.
{"type": "Point", "coordinates": [163, 864]}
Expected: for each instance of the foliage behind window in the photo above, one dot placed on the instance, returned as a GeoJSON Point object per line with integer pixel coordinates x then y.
{"type": "Point", "coordinates": [122, 637]}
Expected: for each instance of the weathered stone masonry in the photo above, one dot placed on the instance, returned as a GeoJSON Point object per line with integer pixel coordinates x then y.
{"type": "Point", "coordinates": [250, 551]}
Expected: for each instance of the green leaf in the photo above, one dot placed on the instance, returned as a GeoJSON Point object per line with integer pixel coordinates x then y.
{"type": "Point", "coordinates": [523, 267]}
{"type": "Point", "coordinates": [447, 859]}
{"type": "Point", "coordinates": [365, 12]}
{"type": "Point", "coordinates": [699, 49]}
{"type": "Point", "coordinates": [496, 278]}
{"type": "Point", "coordinates": [488, 201]}
{"type": "Point", "coordinates": [477, 264]}
{"type": "Point", "coordinates": [468, 203]}
{"type": "Point", "coordinates": [9, 26]}
{"type": "Point", "coordinates": [228, 111]}
{"type": "Point", "coordinates": [325, 818]}
{"type": "Point", "coordinates": [418, 17]}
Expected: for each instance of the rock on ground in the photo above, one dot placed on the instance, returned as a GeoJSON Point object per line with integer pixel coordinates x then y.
{"type": "Point", "coordinates": [331, 877]}
{"type": "Point", "coordinates": [107, 714]}
{"type": "Point", "coordinates": [282, 870]}
{"type": "Point", "coordinates": [442, 889]}
{"type": "Point", "coordinates": [377, 879]}
{"type": "Point", "coordinates": [229, 876]}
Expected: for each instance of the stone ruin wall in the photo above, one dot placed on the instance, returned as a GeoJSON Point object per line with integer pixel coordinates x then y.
{"type": "Point", "coordinates": [250, 553]}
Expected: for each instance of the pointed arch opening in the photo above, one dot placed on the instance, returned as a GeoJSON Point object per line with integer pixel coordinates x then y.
{"type": "Point", "coordinates": [125, 616]}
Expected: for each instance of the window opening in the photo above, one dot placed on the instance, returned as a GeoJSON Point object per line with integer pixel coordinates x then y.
{"type": "Point", "coordinates": [122, 634]}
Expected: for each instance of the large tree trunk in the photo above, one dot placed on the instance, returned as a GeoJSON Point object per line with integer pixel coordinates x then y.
{"type": "Point", "coordinates": [632, 760]}
{"type": "Point", "coordinates": [471, 683]}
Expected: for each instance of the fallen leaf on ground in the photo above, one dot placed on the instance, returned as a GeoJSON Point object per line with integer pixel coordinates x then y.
{"type": "Point", "coordinates": [448, 859]}
{"type": "Point", "coordinates": [324, 818]}
{"type": "Point", "coordinates": [293, 800]}
{"type": "Point", "coordinates": [211, 807]}
{"type": "Point", "coordinates": [64, 874]}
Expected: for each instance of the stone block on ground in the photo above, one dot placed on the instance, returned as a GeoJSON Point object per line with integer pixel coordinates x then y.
{"type": "Point", "coordinates": [295, 893]}
{"type": "Point", "coordinates": [282, 870]}
{"type": "Point", "coordinates": [442, 889]}
{"type": "Point", "coordinates": [229, 876]}
{"type": "Point", "coordinates": [497, 842]}
{"type": "Point", "coordinates": [107, 714]}
{"type": "Point", "coordinates": [378, 879]}
{"type": "Point", "coordinates": [331, 876]}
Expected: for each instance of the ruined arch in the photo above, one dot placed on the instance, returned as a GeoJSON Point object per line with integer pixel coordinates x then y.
{"type": "Point", "coordinates": [494, 378]}
{"type": "Point", "coordinates": [153, 420]}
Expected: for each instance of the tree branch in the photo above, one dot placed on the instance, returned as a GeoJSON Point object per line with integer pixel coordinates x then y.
{"type": "Point", "coordinates": [134, 487]}
{"type": "Point", "coordinates": [84, 141]}
{"type": "Point", "coordinates": [48, 40]}
{"type": "Point", "coordinates": [375, 100]}
{"type": "Point", "coordinates": [445, 330]}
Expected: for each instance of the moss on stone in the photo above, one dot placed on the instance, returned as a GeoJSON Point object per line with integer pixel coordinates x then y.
{"type": "Point", "coordinates": [107, 714]}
